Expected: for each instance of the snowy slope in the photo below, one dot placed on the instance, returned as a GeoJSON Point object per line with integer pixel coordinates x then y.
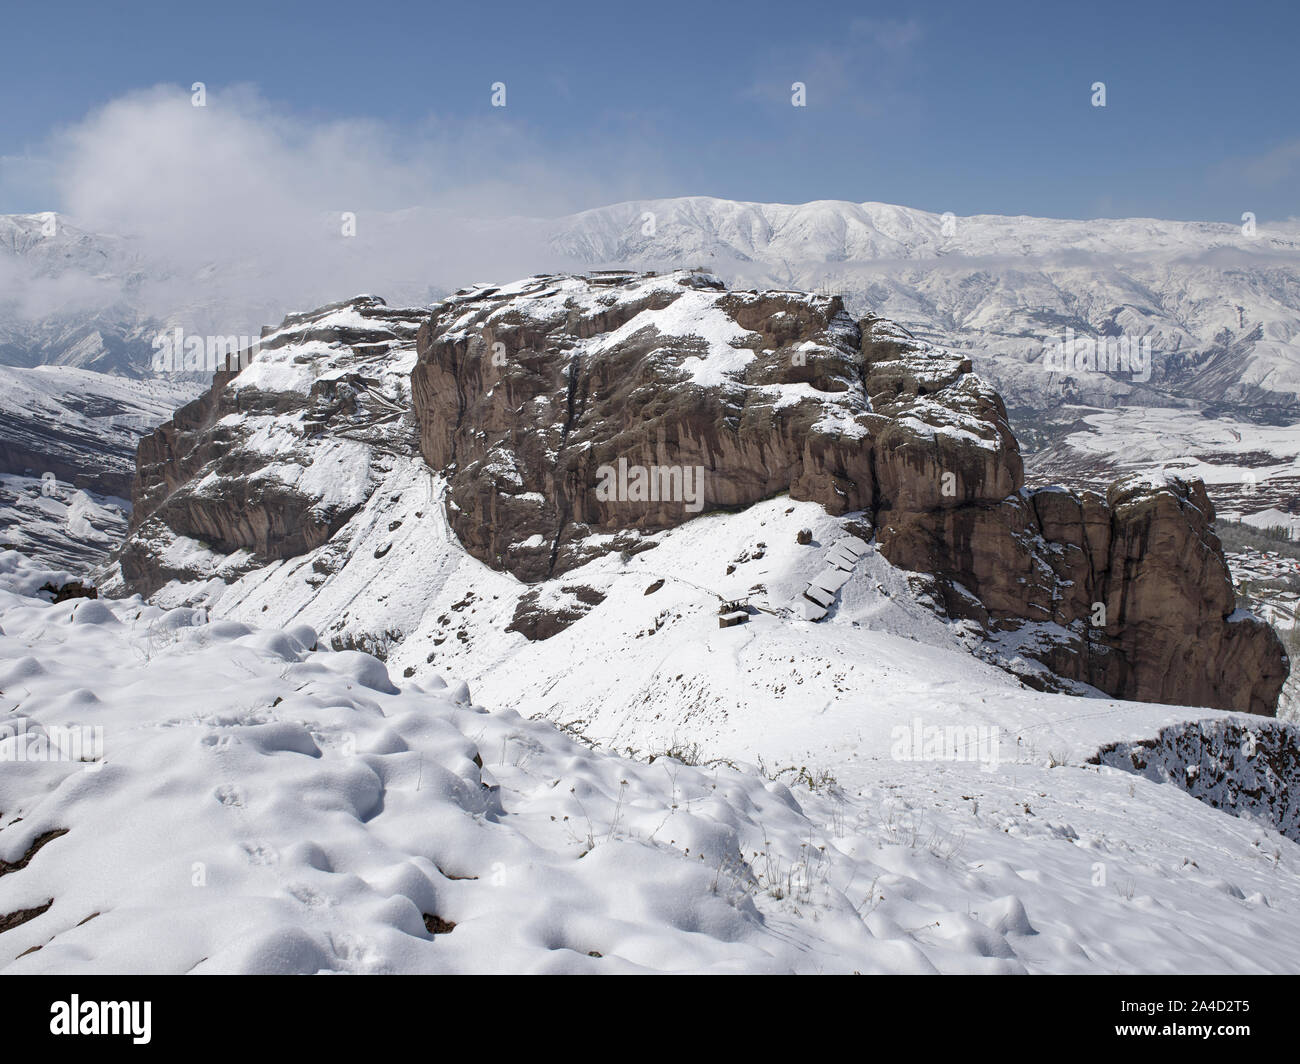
{"type": "Point", "coordinates": [67, 456]}
{"type": "Point", "coordinates": [81, 425]}
{"type": "Point", "coordinates": [837, 230]}
{"type": "Point", "coordinates": [648, 669]}
{"type": "Point", "coordinates": [58, 524]}
{"type": "Point", "coordinates": [298, 811]}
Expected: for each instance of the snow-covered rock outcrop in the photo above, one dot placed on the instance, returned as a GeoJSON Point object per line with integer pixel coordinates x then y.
{"type": "Point", "coordinates": [275, 458]}
{"type": "Point", "coordinates": [1249, 769]}
{"type": "Point", "coordinates": [540, 404]}
{"type": "Point", "coordinates": [528, 394]}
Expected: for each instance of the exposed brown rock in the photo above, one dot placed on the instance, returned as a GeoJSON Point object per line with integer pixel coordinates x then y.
{"type": "Point", "coordinates": [8, 921]}
{"type": "Point", "coordinates": [523, 428]}
{"type": "Point", "coordinates": [536, 619]}
{"type": "Point", "coordinates": [42, 840]}
{"type": "Point", "coordinates": [72, 589]}
{"type": "Point", "coordinates": [195, 477]}
{"type": "Point", "coordinates": [534, 398]}
{"type": "Point", "coordinates": [1129, 594]}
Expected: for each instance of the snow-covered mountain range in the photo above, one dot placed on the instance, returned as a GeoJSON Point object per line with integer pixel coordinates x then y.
{"type": "Point", "coordinates": [1216, 305]}
{"type": "Point", "coordinates": [1220, 308]}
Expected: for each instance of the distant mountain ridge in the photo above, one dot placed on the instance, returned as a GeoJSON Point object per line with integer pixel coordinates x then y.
{"type": "Point", "coordinates": [1220, 310]}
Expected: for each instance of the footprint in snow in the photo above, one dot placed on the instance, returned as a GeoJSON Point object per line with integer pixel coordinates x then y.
{"type": "Point", "coordinates": [260, 854]}
{"type": "Point", "coordinates": [229, 795]}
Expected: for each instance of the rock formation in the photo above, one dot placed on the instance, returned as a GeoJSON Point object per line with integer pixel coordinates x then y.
{"type": "Point", "coordinates": [525, 393]}
{"type": "Point", "coordinates": [271, 461]}
{"type": "Point", "coordinates": [574, 416]}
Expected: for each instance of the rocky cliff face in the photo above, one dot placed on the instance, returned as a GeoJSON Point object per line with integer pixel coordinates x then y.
{"type": "Point", "coordinates": [573, 417]}
{"type": "Point", "coordinates": [531, 396]}
{"type": "Point", "coordinates": [539, 398]}
{"type": "Point", "coordinates": [271, 461]}
{"type": "Point", "coordinates": [1129, 593]}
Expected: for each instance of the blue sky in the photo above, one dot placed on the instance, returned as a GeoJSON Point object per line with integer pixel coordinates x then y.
{"type": "Point", "coordinates": [968, 107]}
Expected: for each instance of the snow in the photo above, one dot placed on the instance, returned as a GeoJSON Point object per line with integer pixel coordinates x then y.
{"type": "Point", "coordinates": [261, 807]}
{"type": "Point", "coordinates": [695, 315]}
{"type": "Point", "coordinates": [66, 527]}
{"type": "Point", "coordinates": [339, 474]}
{"type": "Point", "coordinates": [1182, 441]}
{"type": "Point", "coordinates": [1274, 518]}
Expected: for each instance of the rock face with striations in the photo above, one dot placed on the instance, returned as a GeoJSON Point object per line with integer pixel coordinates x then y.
{"type": "Point", "coordinates": [525, 394]}
{"type": "Point", "coordinates": [271, 461]}
{"type": "Point", "coordinates": [537, 398]}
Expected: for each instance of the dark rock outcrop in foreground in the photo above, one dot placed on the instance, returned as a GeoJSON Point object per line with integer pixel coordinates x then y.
{"type": "Point", "coordinates": [525, 393]}
{"type": "Point", "coordinates": [575, 416]}
{"type": "Point", "coordinates": [1246, 769]}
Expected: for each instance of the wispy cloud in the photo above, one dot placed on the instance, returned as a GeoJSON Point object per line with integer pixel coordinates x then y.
{"type": "Point", "coordinates": [862, 70]}
{"type": "Point", "coordinates": [245, 204]}
{"type": "Point", "coordinates": [1267, 169]}
{"type": "Point", "coordinates": [895, 36]}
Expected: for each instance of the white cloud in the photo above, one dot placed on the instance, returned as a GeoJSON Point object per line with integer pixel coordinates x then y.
{"type": "Point", "coordinates": [1271, 168]}
{"type": "Point", "coordinates": [243, 187]}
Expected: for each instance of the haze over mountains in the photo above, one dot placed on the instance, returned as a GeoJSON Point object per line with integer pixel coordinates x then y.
{"type": "Point", "coordinates": [1222, 308]}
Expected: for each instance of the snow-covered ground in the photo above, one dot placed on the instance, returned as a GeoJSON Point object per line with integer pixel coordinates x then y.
{"type": "Point", "coordinates": [1245, 465]}
{"type": "Point", "coordinates": [256, 805]}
